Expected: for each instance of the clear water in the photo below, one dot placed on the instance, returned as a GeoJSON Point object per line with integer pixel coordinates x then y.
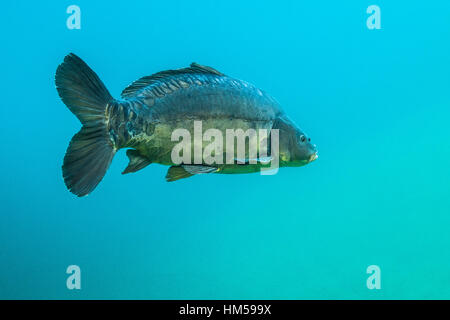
{"type": "Point", "coordinates": [376, 103]}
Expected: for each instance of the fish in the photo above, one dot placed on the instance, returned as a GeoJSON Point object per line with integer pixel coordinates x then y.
{"type": "Point", "coordinates": [149, 111]}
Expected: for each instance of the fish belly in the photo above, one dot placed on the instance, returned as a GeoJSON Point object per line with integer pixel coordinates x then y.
{"type": "Point", "coordinates": [158, 147]}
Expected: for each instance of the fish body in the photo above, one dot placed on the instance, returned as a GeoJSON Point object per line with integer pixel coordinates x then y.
{"type": "Point", "coordinates": [153, 107]}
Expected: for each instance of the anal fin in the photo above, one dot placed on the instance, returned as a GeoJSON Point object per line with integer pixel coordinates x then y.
{"type": "Point", "coordinates": [185, 171]}
{"type": "Point", "coordinates": [137, 161]}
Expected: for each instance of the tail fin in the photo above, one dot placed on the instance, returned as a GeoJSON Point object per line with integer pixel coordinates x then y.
{"type": "Point", "coordinates": [90, 151]}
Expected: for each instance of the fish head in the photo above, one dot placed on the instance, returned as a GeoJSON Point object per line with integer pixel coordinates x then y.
{"type": "Point", "coordinates": [302, 150]}
{"type": "Point", "coordinates": [295, 146]}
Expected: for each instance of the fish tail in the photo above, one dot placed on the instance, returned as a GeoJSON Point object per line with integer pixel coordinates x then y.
{"type": "Point", "coordinates": [91, 150]}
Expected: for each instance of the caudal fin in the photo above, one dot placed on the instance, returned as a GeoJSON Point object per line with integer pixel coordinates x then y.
{"type": "Point", "coordinates": [90, 151]}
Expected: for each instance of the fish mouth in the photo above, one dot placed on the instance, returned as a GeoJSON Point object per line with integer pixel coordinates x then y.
{"type": "Point", "coordinates": [313, 157]}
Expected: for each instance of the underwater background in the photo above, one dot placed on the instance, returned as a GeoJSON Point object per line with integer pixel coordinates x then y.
{"type": "Point", "coordinates": [376, 103]}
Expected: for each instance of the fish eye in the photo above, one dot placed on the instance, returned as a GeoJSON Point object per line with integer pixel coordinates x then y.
{"type": "Point", "coordinates": [302, 138]}
{"type": "Point", "coordinates": [309, 139]}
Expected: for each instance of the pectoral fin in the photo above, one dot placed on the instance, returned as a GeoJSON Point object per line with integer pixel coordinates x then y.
{"type": "Point", "coordinates": [137, 161]}
{"type": "Point", "coordinates": [185, 171]}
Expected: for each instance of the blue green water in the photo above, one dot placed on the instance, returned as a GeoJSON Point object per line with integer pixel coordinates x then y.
{"type": "Point", "coordinates": [376, 103]}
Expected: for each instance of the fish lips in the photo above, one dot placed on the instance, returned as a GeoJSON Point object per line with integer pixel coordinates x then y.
{"type": "Point", "coordinates": [313, 157]}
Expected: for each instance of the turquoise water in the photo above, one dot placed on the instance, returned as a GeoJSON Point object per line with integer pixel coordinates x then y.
{"type": "Point", "coordinates": [376, 103]}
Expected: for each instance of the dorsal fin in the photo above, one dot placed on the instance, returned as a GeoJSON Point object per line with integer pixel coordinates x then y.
{"type": "Point", "coordinates": [161, 76]}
